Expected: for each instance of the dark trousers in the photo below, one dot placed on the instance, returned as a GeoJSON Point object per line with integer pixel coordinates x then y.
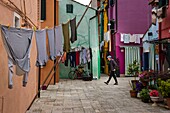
{"type": "Point", "coordinates": [112, 74]}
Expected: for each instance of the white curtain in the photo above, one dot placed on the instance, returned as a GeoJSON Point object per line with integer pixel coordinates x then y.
{"type": "Point", "coordinates": [131, 54]}
{"type": "Point", "coordinates": [152, 57]}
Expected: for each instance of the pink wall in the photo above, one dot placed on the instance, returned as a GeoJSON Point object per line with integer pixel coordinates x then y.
{"type": "Point", "coordinates": [165, 27]}
{"type": "Point", "coordinates": [134, 18]}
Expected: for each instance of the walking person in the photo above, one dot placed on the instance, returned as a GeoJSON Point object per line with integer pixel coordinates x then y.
{"type": "Point", "coordinates": [113, 66]}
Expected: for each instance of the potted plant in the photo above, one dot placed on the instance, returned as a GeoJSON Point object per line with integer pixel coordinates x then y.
{"type": "Point", "coordinates": [139, 88]}
{"type": "Point", "coordinates": [133, 92]}
{"type": "Point", "coordinates": [164, 89]}
{"type": "Point", "coordinates": [133, 69]}
{"type": "Point", "coordinates": [144, 94]}
{"type": "Point", "coordinates": [154, 95]}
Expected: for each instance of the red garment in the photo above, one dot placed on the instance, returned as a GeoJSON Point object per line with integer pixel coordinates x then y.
{"type": "Point", "coordinates": [64, 57]}
{"type": "Point", "coordinates": [77, 58]}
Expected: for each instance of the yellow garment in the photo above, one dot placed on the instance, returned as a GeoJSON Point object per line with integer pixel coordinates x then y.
{"type": "Point", "coordinates": [65, 27]}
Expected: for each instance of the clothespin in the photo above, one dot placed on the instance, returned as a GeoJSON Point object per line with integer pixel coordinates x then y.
{"type": "Point", "coordinates": [34, 28]}
{"type": "Point", "coordinates": [46, 27]}
{"type": "Point", "coordinates": [8, 26]}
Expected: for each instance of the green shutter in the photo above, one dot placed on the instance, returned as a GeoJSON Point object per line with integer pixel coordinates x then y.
{"type": "Point", "coordinates": [43, 9]}
{"type": "Point", "coordinates": [69, 8]}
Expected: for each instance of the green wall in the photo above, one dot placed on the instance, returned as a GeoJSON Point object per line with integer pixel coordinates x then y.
{"type": "Point", "coordinates": [87, 34]}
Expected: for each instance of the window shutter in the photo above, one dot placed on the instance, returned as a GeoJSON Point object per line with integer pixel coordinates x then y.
{"type": "Point", "coordinates": [43, 9]}
{"type": "Point", "coordinates": [69, 8]}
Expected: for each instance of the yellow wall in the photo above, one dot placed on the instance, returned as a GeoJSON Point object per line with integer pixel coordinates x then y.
{"type": "Point", "coordinates": [18, 99]}
{"type": "Point", "coordinates": [105, 43]}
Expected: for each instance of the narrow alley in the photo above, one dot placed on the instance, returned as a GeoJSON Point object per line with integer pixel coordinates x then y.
{"type": "Point", "coordinates": [76, 96]}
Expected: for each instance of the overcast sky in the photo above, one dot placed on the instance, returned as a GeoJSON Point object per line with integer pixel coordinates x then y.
{"type": "Point", "coordinates": [85, 2]}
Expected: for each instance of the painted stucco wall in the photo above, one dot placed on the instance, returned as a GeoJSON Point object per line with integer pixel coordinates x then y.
{"type": "Point", "coordinates": [128, 23]}
{"type": "Point", "coordinates": [18, 99]}
{"type": "Point", "coordinates": [49, 23]}
{"type": "Point", "coordinates": [165, 26]}
{"type": "Point", "coordinates": [83, 32]}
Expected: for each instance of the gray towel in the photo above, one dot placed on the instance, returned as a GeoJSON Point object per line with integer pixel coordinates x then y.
{"type": "Point", "coordinates": [42, 56]}
{"type": "Point", "coordinates": [17, 43]}
{"type": "Point", "coordinates": [50, 33]}
{"type": "Point", "coordinates": [58, 40]}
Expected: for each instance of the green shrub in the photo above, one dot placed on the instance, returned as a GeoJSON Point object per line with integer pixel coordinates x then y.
{"type": "Point", "coordinates": [164, 87]}
{"type": "Point", "coordinates": [144, 94]}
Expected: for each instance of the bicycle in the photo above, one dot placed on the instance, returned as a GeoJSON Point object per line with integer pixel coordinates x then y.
{"type": "Point", "coordinates": [77, 73]}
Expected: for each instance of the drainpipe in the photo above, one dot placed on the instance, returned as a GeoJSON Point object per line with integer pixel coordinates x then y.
{"type": "Point", "coordinates": [54, 35]}
{"type": "Point", "coordinates": [114, 41]}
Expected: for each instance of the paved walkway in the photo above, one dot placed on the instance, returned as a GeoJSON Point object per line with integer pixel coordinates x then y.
{"type": "Point", "coordinates": [77, 96]}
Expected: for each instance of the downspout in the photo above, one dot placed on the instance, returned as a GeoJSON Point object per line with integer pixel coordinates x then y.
{"type": "Point", "coordinates": [116, 29]}
{"type": "Point", "coordinates": [54, 35]}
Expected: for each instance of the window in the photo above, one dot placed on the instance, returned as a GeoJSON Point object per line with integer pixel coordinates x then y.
{"type": "Point", "coordinates": [69, 8]}
{"type": "Point", "coordinates": [112, 25]}
{"type": "Point", "coordinates": [43, 9]}
{"type": "Point", "coordinates": [16, 20]}
{"type": "Point", "coordinates": [112, 2]}
{"type": "Point", "coordinates": [163, 3]}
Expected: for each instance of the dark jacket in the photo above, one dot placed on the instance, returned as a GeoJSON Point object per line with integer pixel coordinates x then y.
{"type": "Point", "coordinates": [113, 64]}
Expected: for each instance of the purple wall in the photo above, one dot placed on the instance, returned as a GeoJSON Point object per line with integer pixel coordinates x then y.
{"type": "Point", "coordinates": [134, 18]}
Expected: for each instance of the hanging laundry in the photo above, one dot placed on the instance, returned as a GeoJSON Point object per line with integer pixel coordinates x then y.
{"type": "Point", "coordinates": [84, 56]}
{"type": "Point", "coordinates": [42, 56]}
{"type": "Point", "coordinates": [73, 30]}
{"type": "Point", "coordinates": [132, 38]}
{"type": "Point", "coordinates": [146, 47]}
{"type": "Point", "coordinates": [77, 58]}
{"type": "Point", "coordinates": [101, 45]}
{"type": "Point", "coordinates": [88, 55]}
{"type": "Point", "coordinates": [154, 16]}
{"type": "Point", "coordinates": [67, 58]}
{"type": "Point", "coordinates": [107, 36]}
{"type": "Point", "coordinates": [137, 37]}
{"type": "Point", "coordinates": [17, 43]}
{"type": "Point", "coordinates": [50, 33]}
{"type": "Point", "coordinates": [58, 40]}
{"type": "Point", "coordinates": [159, 12]}
{"type": "Point", "coordinates": [110, 46]}
{"type": "Point", "coordinates": [63, 59]}
{"type": "Point", "coordinates": [122, 37]}
{"type": "Point", "coordinates": [126, 38]}
{"type": "Point", "coordinates": [72, 59]}
{"type": "Point", "coordinates": [66, 37]}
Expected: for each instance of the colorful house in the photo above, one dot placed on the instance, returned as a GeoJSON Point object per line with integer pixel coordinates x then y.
{"type": "Point", "coordinates": [18, 99]}
{"type": "Point", "coordinates": [162, 13]}
{"type": "Point", "coordinates": [87, 32]}
{"type": "Point", "coordinates": [150, 55]}
{"type": "Point", "coordinates": [128, 19]}
{"type": "Point", "coordinates": [164, 34]}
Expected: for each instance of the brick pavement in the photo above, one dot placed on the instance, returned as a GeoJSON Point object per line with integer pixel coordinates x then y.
{"type": "Point", "coordinates": [77, 96]}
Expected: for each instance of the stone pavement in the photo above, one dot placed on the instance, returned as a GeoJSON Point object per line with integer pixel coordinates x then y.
{"type": "Point", "coordinates": [77, 96]}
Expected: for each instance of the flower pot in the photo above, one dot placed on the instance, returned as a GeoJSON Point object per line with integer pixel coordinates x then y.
{"type": "Point", "coordinates": [145, 100]}
{"type": "Point", "coordinates": [144, 83]}
{"type": "Point", "coordinates": [133, 93]}
{"type": "Point", "coordinates": [168, 102]}
{"type": "Point", "coordinates": [134, 81]}
{"type": "Point", "coordinates": [154, 99]}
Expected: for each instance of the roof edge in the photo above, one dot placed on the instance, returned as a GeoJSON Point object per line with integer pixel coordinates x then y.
{"type": "Point", "coordinates": [83, 5]}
